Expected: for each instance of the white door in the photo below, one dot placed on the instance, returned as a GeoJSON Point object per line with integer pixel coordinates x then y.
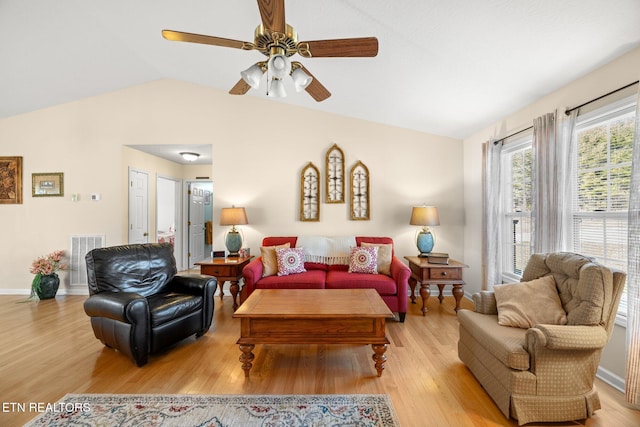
{"type": "Point", "coordinates": [168, 214]}
{"type": "Point", "coordinates": [138, 206]}
{"type": "Point", "coordinates": [196, 225]}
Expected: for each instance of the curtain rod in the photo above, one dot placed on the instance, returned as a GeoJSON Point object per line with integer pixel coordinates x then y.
{"type": "Point", "coordinates": [497, 141]}
{"type": "Point", "coordinates": [569, 110]}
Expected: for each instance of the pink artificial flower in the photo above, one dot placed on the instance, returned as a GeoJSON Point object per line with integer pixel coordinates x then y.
{"type": "Point", "coordinates": [48, 264]}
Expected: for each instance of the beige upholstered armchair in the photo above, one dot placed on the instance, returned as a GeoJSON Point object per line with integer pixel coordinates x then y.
{"type": "Point", "coordinates": [545, 372]}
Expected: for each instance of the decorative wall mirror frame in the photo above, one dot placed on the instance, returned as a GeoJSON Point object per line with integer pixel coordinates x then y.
{"type": "Point", "coordinates": [310, 193]}
{"type": "Point", "coordinates": [360, 195]}
{"type": "Point", "coordinates": [334, 175]}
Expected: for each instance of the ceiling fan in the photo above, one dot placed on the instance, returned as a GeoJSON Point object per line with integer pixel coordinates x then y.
{"type": "Point", "coordinates": [277, 40]}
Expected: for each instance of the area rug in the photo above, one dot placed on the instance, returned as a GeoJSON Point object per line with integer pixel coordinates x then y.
{"type": "Point", "coordinates": [150, 410]}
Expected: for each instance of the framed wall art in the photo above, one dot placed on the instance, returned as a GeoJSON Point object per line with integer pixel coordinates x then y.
{"type": "Point", "coordinates": [50, 184]}
{"type": "Point", "coordinates": [334, 174]}
{"type": "Point", "coordinates": [360, 198]}
{"type": "Point", "coordinates": [10, 180]}
{"type": "Point", "coordinates": [310, 193]}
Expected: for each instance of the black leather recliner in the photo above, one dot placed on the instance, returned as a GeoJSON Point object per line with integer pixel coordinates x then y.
{"type": "Point", "coordinates": [139, 305]}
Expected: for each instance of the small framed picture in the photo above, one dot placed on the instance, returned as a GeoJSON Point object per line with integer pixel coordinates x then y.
{"type": "Point", "coordinates": [49, 184]}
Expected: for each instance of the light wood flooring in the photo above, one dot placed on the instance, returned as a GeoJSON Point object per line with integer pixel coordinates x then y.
{"type": "Point", "coordinates": [48, 349]}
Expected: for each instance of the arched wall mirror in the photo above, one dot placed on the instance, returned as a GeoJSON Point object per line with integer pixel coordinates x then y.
{"type": "Point", "coordinates": [310, 193]}
{"type": "Point", "coordinates": [360, 196]}
{"type": "Point", "coordinates": [334, 173]}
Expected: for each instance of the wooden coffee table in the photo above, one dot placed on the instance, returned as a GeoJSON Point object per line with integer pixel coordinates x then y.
{"type": "Point", "coordinates": [313, 316]}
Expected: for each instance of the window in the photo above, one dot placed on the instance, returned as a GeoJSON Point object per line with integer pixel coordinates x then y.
{"type": "Point", "coordinates": [602, 153]}
{"type": "Point", "coordinates": [604, 144]}
{"type": "Point", "coordinates": [516, 224]}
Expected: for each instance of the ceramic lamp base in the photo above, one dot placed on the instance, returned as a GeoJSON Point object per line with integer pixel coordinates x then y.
{"type": "Point", "coordinates": [233, 241]}
{"type": "Point", "coordinates": [425, 242]}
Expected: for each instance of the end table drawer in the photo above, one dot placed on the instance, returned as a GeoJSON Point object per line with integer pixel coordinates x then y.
{"type": "Point", "coordinates": [219, 270]}
{"type": "Point", "coordinates": [446, 273]}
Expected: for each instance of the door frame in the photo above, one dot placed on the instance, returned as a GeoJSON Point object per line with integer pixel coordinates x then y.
{"type": "Point", "coordinates": [177, 250]}
{"type": "Point", "coordinates": [185, 216]}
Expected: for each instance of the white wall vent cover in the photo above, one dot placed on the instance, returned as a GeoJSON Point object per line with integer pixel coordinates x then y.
{"type": "Point", "coordinates": [80, 246]}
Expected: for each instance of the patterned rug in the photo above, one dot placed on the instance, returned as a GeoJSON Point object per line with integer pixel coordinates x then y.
{"type": "Point", "coordinates": [149, 410]}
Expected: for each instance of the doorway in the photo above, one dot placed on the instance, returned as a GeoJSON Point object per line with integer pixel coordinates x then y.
{"type": "Point", "coordinates": [198, 222]}
{"type": "Point", "coordinates": [167, 193]}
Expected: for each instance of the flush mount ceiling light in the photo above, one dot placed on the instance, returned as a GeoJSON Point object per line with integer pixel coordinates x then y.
{"type": "Point", "coordinates": [189, 157]}
{"type": "Point", "coordinates": [277, 40]}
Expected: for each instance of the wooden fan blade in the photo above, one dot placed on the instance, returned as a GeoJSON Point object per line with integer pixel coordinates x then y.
{"type": "Point", "coordinates": [179, 36]}
{"type": "Point", "coordinates": [315, 88]}
{"type": "Point", "coordinates": [272, 13]}
{"type": "Point", "coordinates": [240, 88]}
{"type": "Point", "coordinates": [358, 47]}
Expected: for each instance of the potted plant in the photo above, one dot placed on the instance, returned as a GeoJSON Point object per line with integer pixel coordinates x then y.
{"type": "Point", "coordinates": [46, 282]}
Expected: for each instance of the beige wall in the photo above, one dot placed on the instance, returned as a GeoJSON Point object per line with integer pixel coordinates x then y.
{"type": "Point", "coordinates": [259, 148]}
{"type": "Point", "coordinates": [618, 73]}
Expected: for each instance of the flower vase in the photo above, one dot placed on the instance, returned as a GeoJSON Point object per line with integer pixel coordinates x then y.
{"type": "Point", "coordinates": [49, 285]}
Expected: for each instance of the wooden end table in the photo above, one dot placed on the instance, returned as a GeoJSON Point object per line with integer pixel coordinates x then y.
{"type": "Point", "coordinates": [313, 316]}
{"type": "Point", "coordinates": [427, 274]}
{"type": "Point", "coordinates": [225, 270]}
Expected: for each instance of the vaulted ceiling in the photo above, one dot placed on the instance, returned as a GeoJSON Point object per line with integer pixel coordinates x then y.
{"type": "Point", "coordinates": [447, 67]}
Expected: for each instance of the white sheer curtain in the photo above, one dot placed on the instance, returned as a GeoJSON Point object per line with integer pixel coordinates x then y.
{"type": "Point", "coordinates": [632, 380]}
{"type": "Point", "coordinates": [491, 214]}
{"type": "Point", "coordinates": [551, 183]}
{"type": "Point", "coordinates": [567, 151]}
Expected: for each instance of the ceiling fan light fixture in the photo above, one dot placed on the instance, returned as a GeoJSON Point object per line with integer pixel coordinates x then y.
{"type": "Point", "coordinates": [276, 89]}
{"type": "Point", "coordinates": [189, 157]}
{"type": "Point", "coordinates": [252, 75]}
{"type": "Point", "coordinates": [300, 79]}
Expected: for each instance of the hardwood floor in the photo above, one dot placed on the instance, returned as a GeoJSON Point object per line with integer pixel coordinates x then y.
{"type": "Point", "coordinates": [48, 349]}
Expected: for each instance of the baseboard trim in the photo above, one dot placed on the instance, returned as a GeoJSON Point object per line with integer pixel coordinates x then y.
{"type": "Point", "coordinates": [610, 378]}
{"type": "Point", "coordinates": [60, 292]}
{"type": "Point", "coordinates": [78, 291]}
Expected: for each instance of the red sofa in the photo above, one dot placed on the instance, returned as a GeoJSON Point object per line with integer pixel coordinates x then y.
{"type": "Point", "coordinates": [393, 289]}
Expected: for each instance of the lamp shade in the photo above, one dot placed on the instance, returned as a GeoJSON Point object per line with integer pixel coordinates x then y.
{"type": "Point", "coordinates": [279, 66]}
{"type": "Point", "coordinates": [252, 75]}
{"type": "Point", "coordinates": [233, 216]}
{"type": "Point", "coordinates": [276, 89]}
{"type": "Point", "coordinates": [424, 216]}
{"type": "Point", "coordinates": [300, 79]}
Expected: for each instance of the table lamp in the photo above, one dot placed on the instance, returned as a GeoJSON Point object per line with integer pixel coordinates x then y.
{"type": "Point", "coordinates": [233, 216]}
{"type": "Point", "coordinates": [425, 216]}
